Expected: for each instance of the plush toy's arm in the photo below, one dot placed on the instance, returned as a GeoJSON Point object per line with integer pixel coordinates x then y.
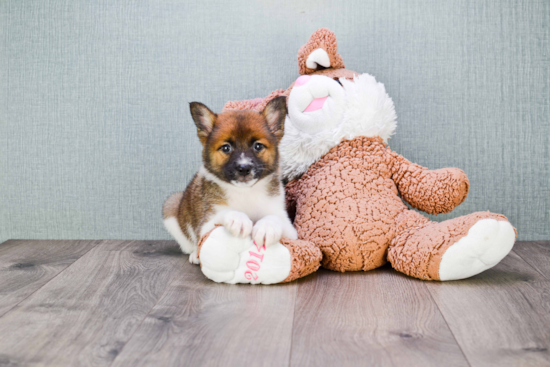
{"type": "Point", "coordinates": [433, 192]}
{"type": "Point", "coordinates": [256, 104]}
{"type": "Point", "coordinates": [247, 104]}
{"type": "Point", "coordinates": [291, 197]}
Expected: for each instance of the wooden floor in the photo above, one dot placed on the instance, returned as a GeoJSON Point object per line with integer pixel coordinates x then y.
{"type": "Point", "coordinates": [140, 303]}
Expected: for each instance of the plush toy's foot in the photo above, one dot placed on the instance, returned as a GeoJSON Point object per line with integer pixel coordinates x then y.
{"type": "Point", "coordinates": [228, 259]}
{"type": "Point", "coordinates": [487, 242]}
{"type": "Point", "coordinates": [454, 249]}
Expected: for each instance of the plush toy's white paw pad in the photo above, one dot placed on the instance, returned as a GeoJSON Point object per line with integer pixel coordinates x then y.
{"type": "Point", "coordinates": [238, 224]}
{"type": "Point", "coordinates": [487, 242]}
{"type": "Point", "coordinates": [229, 259]}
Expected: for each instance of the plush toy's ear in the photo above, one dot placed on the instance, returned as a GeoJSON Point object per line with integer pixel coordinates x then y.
{"type": "Point", "coordinates": [204, 120]}
{"type": "Point", "coordinates": [275, 114]}
{"type": "Point", "coordinates": [319, 53]}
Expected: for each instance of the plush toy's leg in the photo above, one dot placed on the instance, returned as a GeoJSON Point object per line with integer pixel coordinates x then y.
{"type": "Point", "coordinates": [454, 249]}
{"type": "Point", "coordinates": [228, 259]}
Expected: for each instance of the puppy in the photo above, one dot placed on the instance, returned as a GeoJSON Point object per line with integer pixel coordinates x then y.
{"type": "Point", "coordinates": [238, 185]}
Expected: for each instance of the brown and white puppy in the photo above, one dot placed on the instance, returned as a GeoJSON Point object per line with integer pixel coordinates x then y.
{"type": "Point", "coordinates": [238, 185]}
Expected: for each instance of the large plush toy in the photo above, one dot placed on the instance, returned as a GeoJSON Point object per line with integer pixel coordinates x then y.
{"type": "Point", "coordinates": [347, 190]}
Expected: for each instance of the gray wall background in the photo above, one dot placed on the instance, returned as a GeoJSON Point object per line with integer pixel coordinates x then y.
{"type": "Point", "coordinates": [94, 124]}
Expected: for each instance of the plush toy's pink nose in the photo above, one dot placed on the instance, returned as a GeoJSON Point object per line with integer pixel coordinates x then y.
{"type": "Point", "coordinates": [302, 80]}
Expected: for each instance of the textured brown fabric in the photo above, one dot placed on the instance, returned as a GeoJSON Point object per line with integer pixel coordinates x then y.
{"type": "Point", "coordinates": [417, 248]}
{"type": "Point", "coordinates": [172, 205]}
{"type": "Point", "coordinates": [305, 257]}
{"type": "Point", "coordinates": [322, 38]}
{"type": "Point", "coordinates": [256, 104]}
{"type": "Point", "coordinates": [347, 202]}
{"type": "Point", "coordinates": [433, 192]}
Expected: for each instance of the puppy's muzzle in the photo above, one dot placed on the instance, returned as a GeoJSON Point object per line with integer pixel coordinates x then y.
{"type": "Point", "coordinates": [243, 169]}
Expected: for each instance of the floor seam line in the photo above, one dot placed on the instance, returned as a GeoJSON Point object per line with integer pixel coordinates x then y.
{"type": "Point", "coordinates": [448, 326]}
{"type": "Point", "coordinates": [531, 265]}
{"type": "Point", "coordinates": [292, 328]}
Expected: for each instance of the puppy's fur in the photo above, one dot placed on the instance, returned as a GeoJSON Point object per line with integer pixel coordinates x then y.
{"type": "Point", "coordinates": [238, 184]}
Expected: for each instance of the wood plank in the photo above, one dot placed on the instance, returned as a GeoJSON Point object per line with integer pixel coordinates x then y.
{"type": "Point", "coordinates": [26, 265]}
{"type": "Point", "coordinates": [201, 323]}
{"type": "Point", "coordinates": [500, 317]}
{"type": "Point", "coordinates": [375, 318]}
{"type": "Point", "coordinates": [536, 254]}
{"type": "Point", "coordinates": [89, 311]}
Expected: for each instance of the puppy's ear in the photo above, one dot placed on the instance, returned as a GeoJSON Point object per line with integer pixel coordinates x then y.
{"type": "Point", "coordinates": [204, 119]}
{"type": "Point", "coordinates": [275, 114]}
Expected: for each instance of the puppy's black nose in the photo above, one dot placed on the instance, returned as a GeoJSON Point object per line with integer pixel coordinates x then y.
{"type": "Point", "coordinates": [244, 169]}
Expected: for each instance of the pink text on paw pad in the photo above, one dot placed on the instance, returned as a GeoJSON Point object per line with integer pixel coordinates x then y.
{"type": "Point", "coordinates": [254, 264]}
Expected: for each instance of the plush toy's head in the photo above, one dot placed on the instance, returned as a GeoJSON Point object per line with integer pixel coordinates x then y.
{"type": "Point", "coordinates": [326, 104]}
{"type": "Point", "coordinates": [322, 112]}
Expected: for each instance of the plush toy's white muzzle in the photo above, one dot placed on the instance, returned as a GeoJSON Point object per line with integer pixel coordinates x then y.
{"type": "Point", "coordinates": [316, 103]}
{"type": "Point", "coordinates": [321, 113]}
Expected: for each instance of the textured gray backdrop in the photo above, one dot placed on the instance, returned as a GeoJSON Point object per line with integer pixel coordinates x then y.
{"type": "Point", "coordinates": [94, 124]}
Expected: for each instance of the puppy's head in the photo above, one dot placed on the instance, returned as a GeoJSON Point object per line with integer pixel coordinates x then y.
{"type": "Point", "coordinates": [241, 147]}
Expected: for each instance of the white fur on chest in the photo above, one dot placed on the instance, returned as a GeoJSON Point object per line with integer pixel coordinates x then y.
{"type": "Point", "coordinates": [254, 201]}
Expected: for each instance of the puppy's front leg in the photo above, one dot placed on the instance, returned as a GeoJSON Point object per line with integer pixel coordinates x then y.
{"type": "Point", "coordinates": [288, 229]}
{"type": "Point", "coordinates": [193, 258]}
{"type": "Point", "coordinates": [237, 223]}
{"type": "Point", "coordinates": [268, 230]}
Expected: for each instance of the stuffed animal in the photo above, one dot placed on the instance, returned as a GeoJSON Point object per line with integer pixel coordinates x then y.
{"type": "Point", "coordinates": [347, 189]}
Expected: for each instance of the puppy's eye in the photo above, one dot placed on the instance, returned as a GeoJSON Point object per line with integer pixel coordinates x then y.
{"type": "Point", "coordinates": [226, 148]}
{"type": "Point", "coordinates": [258, 147]}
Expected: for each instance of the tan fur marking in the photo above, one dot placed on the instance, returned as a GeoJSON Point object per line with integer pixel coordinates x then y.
{"type": "Point", "coordinates": [241, 129]}
{"type": "Point", "coordinates": [172, 205]}
{"type": "Point", "coordinates": [273, 189]}
{"type": "Point", "coordinates": [198, 203]}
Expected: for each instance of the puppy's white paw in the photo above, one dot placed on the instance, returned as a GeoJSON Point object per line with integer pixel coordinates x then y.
{"type": "Point", "coordinates": [267, 231]}
{"type": "Point", "coordinates": [193, 258]}
{"type": "Point", "coordinates": [238, 224]}
{"type": "Point", "coordinates": [289, 231]}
